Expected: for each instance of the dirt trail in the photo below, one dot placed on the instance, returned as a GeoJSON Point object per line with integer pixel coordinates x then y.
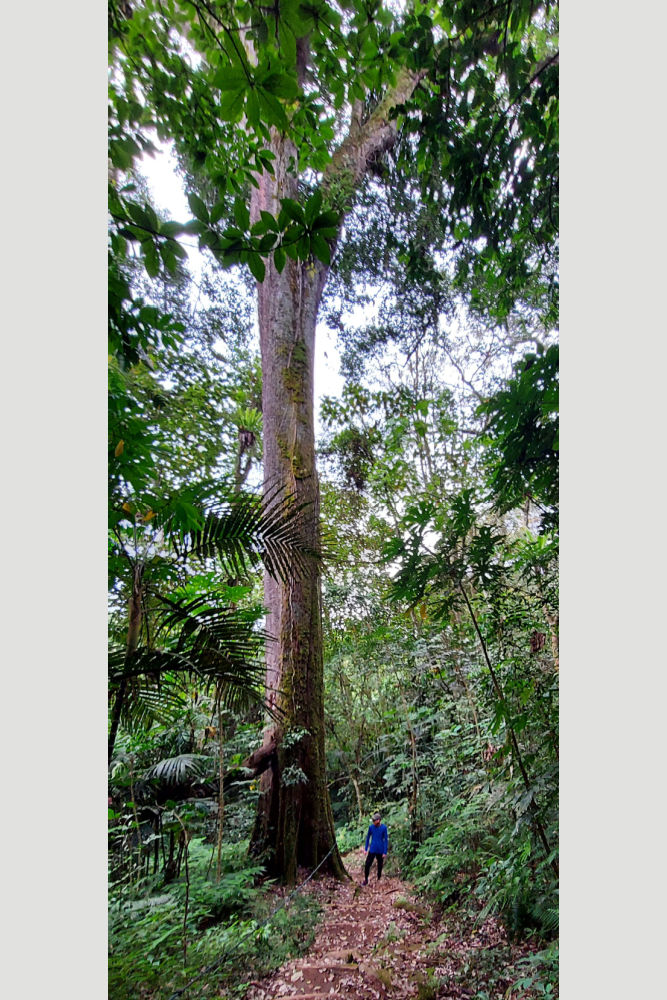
{"type": "Point", "coordinates": [374, 941]}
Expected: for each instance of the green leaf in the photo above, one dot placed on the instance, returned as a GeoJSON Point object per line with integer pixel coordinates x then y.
{"type": "Point", "coordinates": [218, 211]}
{"type": "Point", "coordinates": [227, 79]}
{"type": "Point", "coordinates": [168, 257]}
{"type": "Point", "coordinates": [279, 259]}
{"type": "Point", "coordinates": [194, 226]}
{"type": "Point", "coordinates": [151, 260]}
{"type": "Point", "coordinates": [140, 216]}
{"type": "Point", "coordinates": [170, 228]}
{"type": "Point", "coordinates": [320, 248]}
{"type": "Point", "coordinates": [252, 108]}
{"type": "Point", "coordinates": [231, 106]}
{"type": "Point", "coordinates": [178, 250]}
{"type": "Point", "coordinates": [287, 41]}
{"type": "Point", "coordinates": [198, 208]}
{"type": "Point", "coordinates": [257, 266]}
{"type": "Point", "coordinates": [267, 243]}
{"type": "Point", "coordinates": [265, 224]}
{"type": "Point", "coordinates": [241, 214]}
{"type": "Point", "coordinates": [272, 110]}
{"type": "Point", "coordinates": [313, 206]}
{"type": "Point", "coordinates": [281, 85]}
{"type": "Point", "coordinates": [292, 210]}
{"type": "Point", "coordinates": [327, 220]}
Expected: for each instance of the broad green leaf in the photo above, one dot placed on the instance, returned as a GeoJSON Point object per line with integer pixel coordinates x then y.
{"type": "Point", "coordinates": [241, 214]}
{"type": "Point", "coordinates": [231, 106]}
{"type": "Point", "coordinates": [279, 259]}
{"type": "Point", "coordinates": [320, 248]}
{"type": "Point", "coordinates": [252, 107]}
{"type": "Point", "coordinates": [198, 208]}
{"type": "Point", "coordinates": [267, 243]}
{"type": "Point", "coordinates": [326, 220]}
{"type": "Point", "coordinates": [218, 211]}
{"type": "Point", "coordinates": [168, 257]}
{"type": "Point", "coordinates": [293, 210]}
{"type": "Point", "coordinates": [170, 228]}
{"type": "Point", "coordinates": [257, 266]}
{"type": "Point", "coordinates": [281, 85]}
{"type": "Point", "coordinates": [272, 110]}
{"type": "Point", "coordinates": [151, 259]}
{"type": "Point", "coordinates": [227, 79]}
{"type": "Point", "coordinates": [313, 206]}
{"type": "Point", "coordinates": [140, 216]}
{"type": "Point", "coordinates": [194, 226]}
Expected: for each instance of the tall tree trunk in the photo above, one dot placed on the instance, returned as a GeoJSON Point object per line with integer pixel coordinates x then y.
{"type": "Point", "coordinates": [294, 823]}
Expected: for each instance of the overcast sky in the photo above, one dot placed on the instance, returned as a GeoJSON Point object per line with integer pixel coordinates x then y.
{"type": "Point", "coordinates": [167, 190]}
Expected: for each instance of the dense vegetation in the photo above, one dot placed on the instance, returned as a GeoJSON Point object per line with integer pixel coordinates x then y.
{"type": "Point", "coordinates": [438, 489]}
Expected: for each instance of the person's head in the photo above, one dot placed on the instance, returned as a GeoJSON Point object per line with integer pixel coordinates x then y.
{"type": "Point", "coordinates": [377, 818]}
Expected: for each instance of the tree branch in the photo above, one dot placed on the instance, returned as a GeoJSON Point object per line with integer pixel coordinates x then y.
{"type": "Point", "coordinates": [364, 143]}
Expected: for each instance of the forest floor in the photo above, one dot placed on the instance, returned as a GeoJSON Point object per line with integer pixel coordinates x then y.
{"type": "Point", "coordinates": [379, 941]}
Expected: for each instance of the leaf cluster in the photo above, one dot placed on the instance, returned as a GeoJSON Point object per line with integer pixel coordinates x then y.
{"type": "Point", "coordinates": [522, 429]}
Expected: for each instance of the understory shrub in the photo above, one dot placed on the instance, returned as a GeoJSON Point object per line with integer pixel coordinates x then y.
{"type": "Point", "coordinates": [162, 935]}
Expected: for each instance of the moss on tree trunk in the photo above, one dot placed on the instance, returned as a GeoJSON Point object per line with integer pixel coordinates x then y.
{"type": "Point", "coordinates": [294, 823]}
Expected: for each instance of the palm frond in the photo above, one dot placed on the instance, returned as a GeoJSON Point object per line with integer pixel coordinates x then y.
{"type": "Point", "coordinates": [221, 641]}
{"type": "Point", "coordinates": [184, 768]}
{"type": "Point", "coordinates": [146, 703]}
{"type": "Point", "coordinates": [220, 647]}
{"type": "Point", "coordinates": [150, 693]}
{"type": "Point", "coordinates": [244, 531]}
{"type": "Point", "coordinates": [153, 663]}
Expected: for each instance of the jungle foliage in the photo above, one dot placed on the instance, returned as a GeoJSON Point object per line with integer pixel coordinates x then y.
{"type": "Point", "coordinates": [438, 467]}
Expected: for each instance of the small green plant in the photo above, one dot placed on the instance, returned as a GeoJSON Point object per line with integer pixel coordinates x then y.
{"type": "Point", "coordinates": [392, 934]}
{"type": "Point", "coordinates": [428, 985]}
{"type": "Point", "coordinates": [161, 935]}
{"type": "Point", "coordinates": [523, 894]}
{"type": "Point", "coordinates": [539, 975]}
{"type": "Point", "coordinates": [384, 976]}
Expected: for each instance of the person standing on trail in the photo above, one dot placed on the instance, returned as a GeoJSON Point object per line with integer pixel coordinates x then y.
{"type": "Point", "coordinates": [377, 845]}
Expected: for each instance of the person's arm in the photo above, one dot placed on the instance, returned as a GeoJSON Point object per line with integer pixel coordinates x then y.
{"type": "Point", "coordinates": [368, 837]}
{"type": "Point", "coordinates": [385, 837]}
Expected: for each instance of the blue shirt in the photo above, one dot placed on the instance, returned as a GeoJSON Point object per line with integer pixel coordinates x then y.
{"type": "Point", "coordinates": [378, 838]}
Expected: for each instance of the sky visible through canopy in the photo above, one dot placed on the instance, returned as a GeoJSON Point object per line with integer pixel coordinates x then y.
{"type": "Point", "coordinates": [167, 190]}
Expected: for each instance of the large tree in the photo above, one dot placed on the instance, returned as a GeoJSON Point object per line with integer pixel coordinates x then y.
{"type": "Point", "coordinates": [283, 116]}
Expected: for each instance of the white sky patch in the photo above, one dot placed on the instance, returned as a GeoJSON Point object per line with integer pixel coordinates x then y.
{"type": "Point", "coordinates": [166, 187]}
{"type": "Point", "coordinates": [165, 184]}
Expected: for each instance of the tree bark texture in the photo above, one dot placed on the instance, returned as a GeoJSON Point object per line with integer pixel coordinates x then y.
{"type": "Point", "coordinates": [294, 824]}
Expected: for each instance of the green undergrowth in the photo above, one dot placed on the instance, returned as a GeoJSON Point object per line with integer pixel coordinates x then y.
{"type": "Point", "coordinates": [163, 935]}
{"type": "Point", "coordinates": [485, 974]}
{"type": "Point", "coordinates": [471, 862]}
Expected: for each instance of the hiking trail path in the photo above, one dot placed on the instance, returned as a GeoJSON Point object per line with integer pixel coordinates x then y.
{"type": "Point", "coordinates": [375, 942]}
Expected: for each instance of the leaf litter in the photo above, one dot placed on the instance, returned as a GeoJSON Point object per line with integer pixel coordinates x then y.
{"type": "Point", "coordinates": [382, 941]}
